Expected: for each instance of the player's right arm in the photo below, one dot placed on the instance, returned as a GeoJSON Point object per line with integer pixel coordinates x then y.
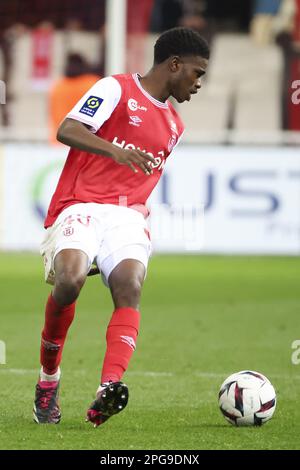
{"type": "Point", "coordinates": [82, 123]}
{"type": "Point", "coordinates": [77, 135]}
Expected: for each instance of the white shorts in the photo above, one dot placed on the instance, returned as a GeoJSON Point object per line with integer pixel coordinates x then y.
{"type": "Point", "coordinates": [107, 234]}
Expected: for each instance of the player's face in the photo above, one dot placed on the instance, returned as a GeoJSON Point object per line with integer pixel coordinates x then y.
{"type": "Point", "coordinates": [186, 80]}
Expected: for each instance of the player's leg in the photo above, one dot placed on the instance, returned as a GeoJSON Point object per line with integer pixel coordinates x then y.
{"type": "Point", "coordinates": [71, 268]}
{"type": "Point", "coordinates": [125, 282]}
{"type": "Point", "coordinates": [69, 248]}
{"type": "Point", "coordinates": [122, 259]}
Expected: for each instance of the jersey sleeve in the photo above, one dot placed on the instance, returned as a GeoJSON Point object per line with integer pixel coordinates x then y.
{"type": "Point", "coordinates": [97, 105]}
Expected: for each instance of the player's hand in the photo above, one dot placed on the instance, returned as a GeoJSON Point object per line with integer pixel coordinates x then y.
{"type": "Point", "coordinates": [133, 159]}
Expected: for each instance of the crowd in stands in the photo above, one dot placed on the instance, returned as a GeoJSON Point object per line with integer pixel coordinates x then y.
{"type": "Point", "coordinates": [76, 28]}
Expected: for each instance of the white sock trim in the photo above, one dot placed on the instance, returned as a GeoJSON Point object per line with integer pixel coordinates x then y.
{"type": "Point", "coordinates": [50, 378]}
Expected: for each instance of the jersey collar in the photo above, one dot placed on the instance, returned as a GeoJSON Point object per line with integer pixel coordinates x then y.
{"type": "Point", "coordinates": [157, 103]}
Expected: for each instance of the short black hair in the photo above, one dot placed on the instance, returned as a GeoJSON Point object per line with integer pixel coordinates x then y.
{"type": "Point", "coordinates": [181, 42]}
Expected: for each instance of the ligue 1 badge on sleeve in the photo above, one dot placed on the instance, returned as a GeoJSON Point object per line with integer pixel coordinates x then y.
{"type": "Point", "coordinates": [91, 106]}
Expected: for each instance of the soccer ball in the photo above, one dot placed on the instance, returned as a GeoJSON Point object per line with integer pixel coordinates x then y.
{"type": "Point", "coordinates": [247, 398]}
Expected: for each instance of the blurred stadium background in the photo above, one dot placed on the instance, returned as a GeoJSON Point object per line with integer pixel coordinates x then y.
{"type": "Point", "coordinates": [242, 130]}
{"type": "Point", "coordinates": [239, 159]}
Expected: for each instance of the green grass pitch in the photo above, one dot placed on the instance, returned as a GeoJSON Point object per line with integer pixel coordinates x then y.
{"type": "Point", "coordinates": [202, 319]}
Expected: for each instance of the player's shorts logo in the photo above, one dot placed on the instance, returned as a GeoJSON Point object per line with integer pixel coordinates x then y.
{"type": "Point", "coordinates": [91, 106]}
{"type": "Point", "coordinates": [68, 231]}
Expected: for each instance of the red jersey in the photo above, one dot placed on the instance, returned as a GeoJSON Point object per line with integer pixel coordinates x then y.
{"type": "Point", "coordinates": [120, 111]}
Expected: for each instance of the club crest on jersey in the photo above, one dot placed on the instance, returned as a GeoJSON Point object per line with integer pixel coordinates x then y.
{"type": "Point", "coordinates": [68, 231]}
{"type": "Point", "coordinates": [135, 121]}
{"type": "Point", "coordinates": [134, 106]}
{"type": "Point", "coordinates": [91, 106]}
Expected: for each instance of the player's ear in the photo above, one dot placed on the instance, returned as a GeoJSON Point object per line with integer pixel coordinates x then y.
{"type": "Point", "coordinates": [174, 63]}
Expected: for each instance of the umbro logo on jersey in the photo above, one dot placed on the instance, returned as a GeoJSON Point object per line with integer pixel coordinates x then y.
{"type": "Point", "coordinates": [134, 106]}
{"type": "Point", "coordinates": [128, 340]}
{"type": "Point", "coordinates": [135, 121]}
{"type": "Point", "coordinates": [91, 106]}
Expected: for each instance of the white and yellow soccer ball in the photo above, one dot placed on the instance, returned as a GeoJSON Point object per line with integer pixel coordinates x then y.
{"type": "Point", "coordinates": [247, 398]}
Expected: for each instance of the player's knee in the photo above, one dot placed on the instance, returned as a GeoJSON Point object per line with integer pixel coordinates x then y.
{"type": "Point", "coordinates": [68, 286]}
{"type": "Point", "coordinates": [127, 292]}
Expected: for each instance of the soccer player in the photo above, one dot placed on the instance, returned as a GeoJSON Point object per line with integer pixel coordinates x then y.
{"type": "Point", "coordinates": [121, 132]}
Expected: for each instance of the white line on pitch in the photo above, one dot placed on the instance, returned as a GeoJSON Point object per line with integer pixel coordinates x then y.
{"type": "Point", "coordinates": [208, 375]}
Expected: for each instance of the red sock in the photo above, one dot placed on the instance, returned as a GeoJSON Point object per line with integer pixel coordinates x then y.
{"type": "Point", "coordinates": [121, 337]}
{"type": "Point", "coordinates": [57, 322]}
